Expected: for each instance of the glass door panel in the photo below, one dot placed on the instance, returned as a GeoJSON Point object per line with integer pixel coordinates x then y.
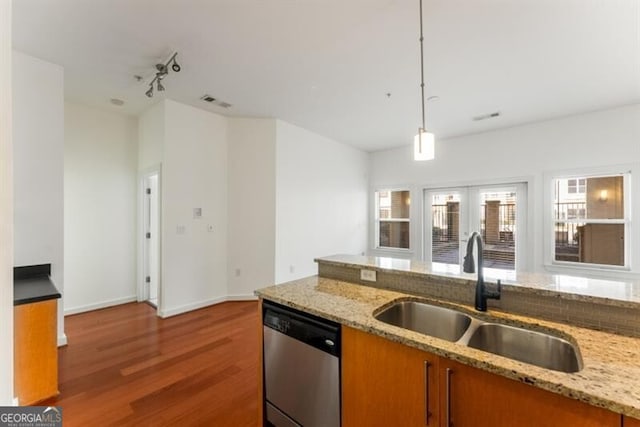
{"type": "Point", "coordinates": [498, 228]}
{"type": "Point", "coordinates": [445, 228]}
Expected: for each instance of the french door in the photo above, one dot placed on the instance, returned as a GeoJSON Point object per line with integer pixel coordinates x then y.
{"type": "Point", "coordinates": [497, 212]}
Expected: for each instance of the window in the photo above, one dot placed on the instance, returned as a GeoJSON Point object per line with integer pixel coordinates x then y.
{"type": "Point", "coordinates": [576, 185]}
{"type": "Point", "coordinates": [591, 216]}
{"type": "Point", "coordinates": [392, 218]}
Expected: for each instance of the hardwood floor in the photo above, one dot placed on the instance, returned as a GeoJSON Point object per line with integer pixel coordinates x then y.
{"type": "Point", "coordinates": [126, 367]}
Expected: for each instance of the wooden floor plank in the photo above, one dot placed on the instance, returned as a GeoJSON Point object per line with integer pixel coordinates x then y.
{"type": "Point", "coordinates": [124, 366]}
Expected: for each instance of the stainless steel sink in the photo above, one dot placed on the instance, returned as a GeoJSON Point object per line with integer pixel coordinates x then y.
{"type": "Point", "coordinates": [527, 346]}
{"type": "Point", "coordinates": [427, 319]}
{"type": "Point", "coordinates": [537, 348]}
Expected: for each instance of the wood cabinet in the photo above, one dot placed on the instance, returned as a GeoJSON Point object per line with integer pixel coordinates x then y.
{"type": "Point", "coordinates": [630, 422]}
{"type": "Point", "coordinates": [385, 383]}
{"type": "Point", "coordinates": [35, 351]}
{"type": "Point", "coordinates": [472, 397]}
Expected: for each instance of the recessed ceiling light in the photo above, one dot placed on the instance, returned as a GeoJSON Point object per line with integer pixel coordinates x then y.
{"type": "Point", "coordinates": [116, 101]}
{"type": "Point", "coordinates": [433, 98]}
{"type": "Point", "coordinates": [207, 98]}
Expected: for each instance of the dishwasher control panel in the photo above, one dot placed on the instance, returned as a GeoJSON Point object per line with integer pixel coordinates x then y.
{"type": "Point", "coordinates": [312, 330]}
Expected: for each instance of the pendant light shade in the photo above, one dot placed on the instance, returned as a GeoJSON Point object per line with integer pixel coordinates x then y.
{"type": "Point", "coordinates": [424, 145]}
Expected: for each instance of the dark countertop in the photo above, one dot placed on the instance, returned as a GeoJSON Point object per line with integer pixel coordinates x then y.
{"type": "Point", "coordinates": [32, 284]}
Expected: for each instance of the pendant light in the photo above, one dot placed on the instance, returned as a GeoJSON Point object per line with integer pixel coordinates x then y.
{"type": "Point", "coordinates": [424, 141]}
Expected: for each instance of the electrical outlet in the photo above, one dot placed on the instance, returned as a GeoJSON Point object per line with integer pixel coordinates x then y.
{"type": "Point", "coordinates": [238, 272]}
{"type": "Point", "coordinates": [292, 269]}
{"type": "Point", "coordinates": [210, 228]}
{"type": "Point", "coordinates": [368, 275]}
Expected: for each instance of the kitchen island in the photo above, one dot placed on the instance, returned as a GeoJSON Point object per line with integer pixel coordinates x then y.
{"type": "Point", "coordinates": [611, 362]}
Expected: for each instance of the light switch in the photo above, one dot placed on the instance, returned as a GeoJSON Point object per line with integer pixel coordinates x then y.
{"type": "Point", "coordinates": [197, 213]}
{"type": "Point", "coordinates": [181, 229]}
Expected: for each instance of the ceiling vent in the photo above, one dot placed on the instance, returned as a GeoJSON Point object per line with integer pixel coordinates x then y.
{"type": "Point", "coordinates": [211, 100]}
{"type": "Point", "coordinates": [487, 116]}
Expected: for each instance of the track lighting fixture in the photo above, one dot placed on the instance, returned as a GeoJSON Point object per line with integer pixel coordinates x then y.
{"type": "Point", "coordinates": [162, 71]}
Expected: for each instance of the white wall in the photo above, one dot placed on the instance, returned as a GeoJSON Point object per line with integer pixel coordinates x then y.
{"type": "Point", "coordinates": [252, 205]}
{"type": "Point", "coordinates": [194, 175]}
{"type": "Point", "coordinates": [608, 137]}
{"type": "Point", "coordinates": [38, 166]}
{"type": "Point", "coordinates": [321, 200]}
{"type": "Point", "coordinates": [100, 193]}
{"type": "Point", "coordinates": [6, 210]}
{"type": "Point", "coordinates": [151, 137]}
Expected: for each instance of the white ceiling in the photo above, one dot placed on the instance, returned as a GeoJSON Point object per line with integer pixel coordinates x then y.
{"type": "Point", "coordinates": [327, 65]}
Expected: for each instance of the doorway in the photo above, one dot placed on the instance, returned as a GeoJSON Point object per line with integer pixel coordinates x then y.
{"type": "Point", "coordinates": [151, 271]}
{"type": "Point", "coordinates": [498, 212]}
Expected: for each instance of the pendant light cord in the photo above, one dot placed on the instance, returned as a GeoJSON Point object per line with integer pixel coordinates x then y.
{"type": "Point", "coordinates": [424, 127]}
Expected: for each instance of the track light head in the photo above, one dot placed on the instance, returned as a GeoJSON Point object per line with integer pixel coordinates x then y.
{"type": "Point", "coordinates": [149, 93]}
{"type": "Point", "coordinates": [160, 87]}
{"type": "Point", "coordinates": [162, 68]}
{"type": "Point", "coordinates": [175, 67]}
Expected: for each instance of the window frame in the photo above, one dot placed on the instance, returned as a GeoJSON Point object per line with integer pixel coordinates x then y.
{"type": "Point", "coordinates": [550, 263]}
{"type": "Point", "coordinates": [377, 220]}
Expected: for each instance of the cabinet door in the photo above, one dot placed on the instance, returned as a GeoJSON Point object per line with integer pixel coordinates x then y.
{"type": "Point", "coordinates": [475, 398]}
{"type": "Point", "coordinates": [385, 383]}
{"type": "Point", "coordinates": [630, 422]}
{"type": "Point", "coordinates": [36, 351]}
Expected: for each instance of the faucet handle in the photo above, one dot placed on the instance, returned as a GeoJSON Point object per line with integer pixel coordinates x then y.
{"type": "Point", "coordinates": [496, 294]}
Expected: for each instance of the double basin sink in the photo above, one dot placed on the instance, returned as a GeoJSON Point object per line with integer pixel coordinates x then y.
{"type": "Point", "coordinates": [528, 346]}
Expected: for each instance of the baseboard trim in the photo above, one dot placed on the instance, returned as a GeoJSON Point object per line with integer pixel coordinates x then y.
{"type": "Point", "coordinates": [62, 340]}
{"type": "Point", "coordinates": [201, 304]}
{"type": "Point", "coordinates": [99, 305]}
{"type": "Point", "coordinates": [190, 307]}
{"type": "Point", "coordinates": [244, 297]}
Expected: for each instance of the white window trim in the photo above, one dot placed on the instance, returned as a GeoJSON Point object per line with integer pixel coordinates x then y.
{"type": "Point", "coordinates": [631, 211]}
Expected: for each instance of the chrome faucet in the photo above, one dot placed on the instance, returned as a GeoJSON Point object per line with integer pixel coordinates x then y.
{"type": "Point", "coordinates": [469, 267]}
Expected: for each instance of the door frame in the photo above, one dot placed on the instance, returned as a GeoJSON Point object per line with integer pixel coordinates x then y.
{"type": "Point", "coordinates": [469, 192]}
{"type": "Point", "coordinates": [142, 177]}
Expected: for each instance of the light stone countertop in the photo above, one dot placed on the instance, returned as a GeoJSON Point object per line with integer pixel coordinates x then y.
{"type": "Point", "coordinates": [610, 377]}
{"type": "Point", "coordinates": [622, 293]}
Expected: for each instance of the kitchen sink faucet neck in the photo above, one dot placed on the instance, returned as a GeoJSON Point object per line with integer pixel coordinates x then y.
{"type": "Point", "coordinates": [469, 267]}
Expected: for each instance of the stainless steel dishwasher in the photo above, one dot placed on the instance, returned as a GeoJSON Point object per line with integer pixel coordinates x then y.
{"type": "Point", "coordinates": [301, 368]}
